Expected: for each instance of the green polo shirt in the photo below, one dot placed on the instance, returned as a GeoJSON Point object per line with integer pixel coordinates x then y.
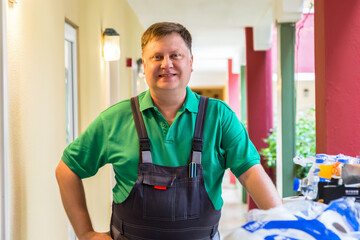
{"type": "Point", "coordinates": [112, 139]}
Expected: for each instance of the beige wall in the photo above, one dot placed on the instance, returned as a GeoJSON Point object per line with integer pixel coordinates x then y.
{"type": "Point", "coordinates": [202, 78]}
{"type": "Point", "coordinates": [304, 102]}
{"type": "Point", "coordinates": [210, 79]}
{"type": "Point", "coordinates": [36, 95]}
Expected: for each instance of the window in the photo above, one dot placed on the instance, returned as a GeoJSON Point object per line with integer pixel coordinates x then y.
{"type": "Point", "coordinates": [71, 83]}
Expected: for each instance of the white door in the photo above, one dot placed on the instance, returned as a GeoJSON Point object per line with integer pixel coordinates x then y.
{"type": "Point", "coordinates": [71, 93]}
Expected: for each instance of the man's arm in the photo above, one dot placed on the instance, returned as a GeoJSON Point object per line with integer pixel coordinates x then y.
{"type": "Point", "coordinates": [73, 198]}
{"type": "Point", "coordinates": [260, 187]}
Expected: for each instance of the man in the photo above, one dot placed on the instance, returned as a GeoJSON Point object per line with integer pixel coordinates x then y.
{"type": "Point", "coordinates": [169, 148]}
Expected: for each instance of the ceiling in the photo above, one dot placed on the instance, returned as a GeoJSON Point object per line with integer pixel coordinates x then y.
{"type": "Point", "coordinates": [217, 26]}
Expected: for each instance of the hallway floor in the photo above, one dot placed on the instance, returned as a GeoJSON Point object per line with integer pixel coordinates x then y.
{"type": "Point", "coordinates": [234, 209]}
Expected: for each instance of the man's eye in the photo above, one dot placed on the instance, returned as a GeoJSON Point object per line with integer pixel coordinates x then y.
{"type": "Point", "coordinates": [176, 55]}
{"type": "Point", "coordinates": [157, 58]}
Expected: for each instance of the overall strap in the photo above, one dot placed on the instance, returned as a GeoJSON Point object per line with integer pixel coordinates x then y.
{"type": "Point", "coordinates": [144, 141]}
{"type": "Point", "coordinates": [197, 143]}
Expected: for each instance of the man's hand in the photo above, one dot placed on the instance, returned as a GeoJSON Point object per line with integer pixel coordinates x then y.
{"type": "Point", "coordinates": [73, 197]}
{"type": "Point", "coordinates": [95, 236]}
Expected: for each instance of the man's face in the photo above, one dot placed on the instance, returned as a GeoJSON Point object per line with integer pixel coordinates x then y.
{"type": "Point", "coordinates": [167, 63]}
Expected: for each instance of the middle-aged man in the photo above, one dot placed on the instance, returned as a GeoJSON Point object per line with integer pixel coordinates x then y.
{"type": "Point", "coordinates": [169, 148]}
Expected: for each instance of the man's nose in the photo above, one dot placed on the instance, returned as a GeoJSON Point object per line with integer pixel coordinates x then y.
{"type": "Point", "coordinates": [166, 62]}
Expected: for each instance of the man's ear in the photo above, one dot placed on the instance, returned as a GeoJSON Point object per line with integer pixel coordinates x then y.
{"type": "Point", "coordinates": [191, 63]}
{"type": "Point", "coordinates": [144, 64]}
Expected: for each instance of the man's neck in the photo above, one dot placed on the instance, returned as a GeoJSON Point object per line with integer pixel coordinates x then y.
{"type": "Point", "coordinates": [168, 103]}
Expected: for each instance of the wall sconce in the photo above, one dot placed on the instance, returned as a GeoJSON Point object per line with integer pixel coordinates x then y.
{"type": "Point", "coordinates": [111, 45]}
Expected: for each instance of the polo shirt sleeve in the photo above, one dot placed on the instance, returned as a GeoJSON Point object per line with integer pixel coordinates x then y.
{"type": "Point", "coordinates": [240, 153]}
{"type": "Point", "coordinates": [87, 153]}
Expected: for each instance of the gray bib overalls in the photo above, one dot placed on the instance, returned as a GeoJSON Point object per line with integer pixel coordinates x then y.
{"type": "Point", "coordinates": [167, 202]}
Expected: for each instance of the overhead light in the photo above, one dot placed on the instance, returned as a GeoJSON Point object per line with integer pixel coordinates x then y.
{"type": "Point", "coordinates": [14, 1]}
{"type": "Point", "coordinates": [111, 49]}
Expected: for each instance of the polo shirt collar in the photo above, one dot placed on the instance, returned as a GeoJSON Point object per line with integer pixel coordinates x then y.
{"type": "Point", "coordinates": [191, 101]}
{"type": "Point", "coordinates": [146, 102]}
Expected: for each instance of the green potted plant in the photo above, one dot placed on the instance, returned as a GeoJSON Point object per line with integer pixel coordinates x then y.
{"type": "Point", "coordinates": [305, 142]}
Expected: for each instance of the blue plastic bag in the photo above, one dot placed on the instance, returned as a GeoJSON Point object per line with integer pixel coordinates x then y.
{"type": "Point", "coordinates": [340, 220]}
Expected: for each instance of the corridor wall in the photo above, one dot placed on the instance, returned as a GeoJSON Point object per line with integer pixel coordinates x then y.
{"type": "Point", "coordinates": [36, 96]}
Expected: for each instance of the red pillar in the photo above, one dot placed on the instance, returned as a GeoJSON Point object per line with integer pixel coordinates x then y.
{"type": "Point", "coordinates": [259, 96]}
{"type": "Point", "coordinates": [337, 74]}
{"type": "Point", "coordinates": [234, 89]}
{"type": "Point", "coordinates": [234, 98]}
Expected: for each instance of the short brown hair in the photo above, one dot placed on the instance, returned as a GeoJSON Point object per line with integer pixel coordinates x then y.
{"type": "Point", "coordinates": [162, 29]}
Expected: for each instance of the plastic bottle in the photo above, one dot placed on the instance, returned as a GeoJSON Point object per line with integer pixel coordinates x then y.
{"type": "Point", "coordinates": [326, 158]}
{"type": "Point", "coordinates": [325, 166]}
{"type": "Point", "coordinates": [346, 159]}
{"type": "Point", "coordinates": [341, 161]}
{"type": "Point", "coordinates": [304, 161]}
{"type": "Point", "coordinates": [308, 186]}
{"type": "Point", "coordinates": [357, 159]}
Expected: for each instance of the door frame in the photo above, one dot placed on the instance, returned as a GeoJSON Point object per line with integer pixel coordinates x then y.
{"type": "Point", "coordinates": [72, 89]}
{"type": "Point", "coordinates": [4, 161]}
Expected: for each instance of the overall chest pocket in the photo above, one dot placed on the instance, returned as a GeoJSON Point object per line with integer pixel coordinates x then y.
{"type": "Point", "coordinates": [169, 198]}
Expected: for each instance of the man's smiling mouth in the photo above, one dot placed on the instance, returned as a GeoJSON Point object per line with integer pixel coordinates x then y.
{"type": "Point", "coordinates": [167, 75]}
